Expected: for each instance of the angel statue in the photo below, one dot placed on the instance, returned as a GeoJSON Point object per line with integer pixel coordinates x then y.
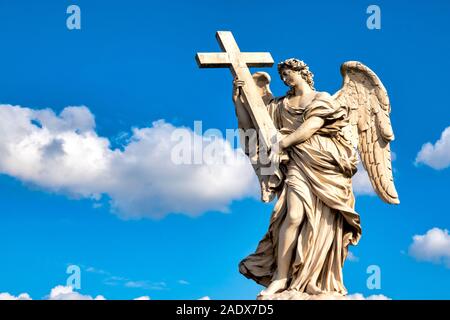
{"type": "Point", "coordinates": [314, 219]}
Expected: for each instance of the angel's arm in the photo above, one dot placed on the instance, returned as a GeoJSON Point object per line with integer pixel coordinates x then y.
{"type": "Point", "coordinates": [303, 133]}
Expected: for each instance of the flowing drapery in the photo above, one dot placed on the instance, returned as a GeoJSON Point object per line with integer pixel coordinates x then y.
{"type": "Point", "coordinates": [319, 170]}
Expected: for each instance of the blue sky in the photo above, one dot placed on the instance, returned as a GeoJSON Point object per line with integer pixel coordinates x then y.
{"type": "Point", "coordinates": [132, 63]}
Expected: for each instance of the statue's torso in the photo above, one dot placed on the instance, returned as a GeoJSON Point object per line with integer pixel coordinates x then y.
{"type": "Point", "coordinates": [289, 113]}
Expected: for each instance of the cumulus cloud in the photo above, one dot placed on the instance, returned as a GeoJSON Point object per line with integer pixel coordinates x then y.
{"type": "Point", "coordinates": [67, 293]}
{"type": "Point", "coordinates": [57, 293]}
{"type": "Point", "coordinates": [433, 246]}
{"type": "Point", "coordinates": [359, 296]}
{"type": "Point", "coordinates": [361, 182]}
{"type": "Point", "coordinates": [437, 155]}
{"type": "Point", "coordinates": [60, 293]}
{"type": "Point", "coordinates": [8, 296]}
{"type": "Point", "coordinates": [148, 177]}
{"type": "Point", "coordinates": [160, 169]}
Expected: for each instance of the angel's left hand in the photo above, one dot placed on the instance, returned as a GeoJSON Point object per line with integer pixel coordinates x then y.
{"type": "Point", "coordinates": [277, 151]}
{"type": "Point", "coordinates": [277, 147]}
{"type": "Point", "coordinates": [282, 144]}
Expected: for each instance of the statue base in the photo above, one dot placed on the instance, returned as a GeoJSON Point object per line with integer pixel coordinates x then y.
{"type": "Point", "coordinates": [297, 295]}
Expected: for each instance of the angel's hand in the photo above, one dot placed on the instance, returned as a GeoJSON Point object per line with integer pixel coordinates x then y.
{"type": "Point", "coordinates": [277, 150]}
{"type": "Point", "coordinates": [274, 157]}
{"type": "Point", "coordinates": [277, 156]}
{"type": "Point", "coordinates": [237, 88]}
{"type": "Point", "coordinates": [281, 144]}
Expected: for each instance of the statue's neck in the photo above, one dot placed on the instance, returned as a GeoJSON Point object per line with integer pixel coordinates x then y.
{"type": "Point", "coordinates": [302, 91]}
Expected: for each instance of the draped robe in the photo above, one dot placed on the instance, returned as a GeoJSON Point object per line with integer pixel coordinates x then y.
{"type": "Point", "coordinates": [319, 170]}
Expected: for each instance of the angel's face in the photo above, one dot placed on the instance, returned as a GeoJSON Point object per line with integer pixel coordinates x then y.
{"type": "Point", "coordinates": [290, 77]}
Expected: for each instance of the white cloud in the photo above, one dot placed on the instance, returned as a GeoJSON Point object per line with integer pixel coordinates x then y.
{"type": "Point", "coordinates": [7, 296]}
{"type": "Point", "coordinates": [434, 246]}
{"type": "Point", "coordinates": [95, 270]}
{"type": "Point", "coordinates": [359, 296]}
{"type": "Point", "coordinates": [146, 285]}
{"type": "Point", "coordinates": [63, 153]}
{"type": "Point", "coordinates": [361, 182]}
{"type": "Point", "coordinates": [351, 257]}
{"type": "Point", "coordinates": [67, 293]}
{"type": "Point", "coordinates": [436, 156]}
{"type": "Point", "coordinates": [60, 293]}
{"type": "Point", "coordinates": [113, 280]}
{"type": "Point", "coordinates": [183, 282]}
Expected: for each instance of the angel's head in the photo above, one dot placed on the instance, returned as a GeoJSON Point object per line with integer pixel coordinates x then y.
{"type": "Point", "coordinates": [293, 71]}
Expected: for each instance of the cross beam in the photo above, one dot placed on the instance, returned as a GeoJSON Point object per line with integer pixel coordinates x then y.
{"type": "Point", "coordinates": [238, 62]}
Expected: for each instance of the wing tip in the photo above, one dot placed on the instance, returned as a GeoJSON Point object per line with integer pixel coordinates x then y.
{"type": "Point", "coordinates": [389, 196]}
{"type": "Point", "coordinates": [391, 200]}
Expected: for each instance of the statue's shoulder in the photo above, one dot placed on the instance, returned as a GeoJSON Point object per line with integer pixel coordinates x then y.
{"type": "Point", "coordinates": [321, 101]}
{"type": "Point", "coordinates": [322, 95]}
{"type": "Point", "coordinates": [276, 101]}
{"type": "Point", "coordinates": [322, 98]}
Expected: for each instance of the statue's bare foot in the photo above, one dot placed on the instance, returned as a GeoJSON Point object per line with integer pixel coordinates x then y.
{"type": "Point", "coordinates": [274, 287]}
{"type": "Point", "coordinates": [312, 289]}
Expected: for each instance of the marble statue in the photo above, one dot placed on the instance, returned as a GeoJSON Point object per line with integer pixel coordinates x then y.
{"type": "Point", "coordinates": [313, 138]}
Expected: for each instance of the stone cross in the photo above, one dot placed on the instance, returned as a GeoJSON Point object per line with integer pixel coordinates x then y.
{"type": "Point", "coordinates": [238, 62]}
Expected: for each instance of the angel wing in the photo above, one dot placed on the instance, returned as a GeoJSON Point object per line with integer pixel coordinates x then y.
{"type": "Point", "coordinates": [370, 127]}
{"type": "Point", "coordinates": [267, 184]}
{"type": "Point", "coordinates": [262, 81]}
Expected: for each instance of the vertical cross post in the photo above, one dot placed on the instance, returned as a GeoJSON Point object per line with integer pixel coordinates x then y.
{"type": "Point", "coordinates": [239, 62]}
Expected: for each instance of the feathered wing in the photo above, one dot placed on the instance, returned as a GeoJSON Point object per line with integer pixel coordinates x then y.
{"type": "Point", "coordinates": [262, 166]}
{"type": "Point", "coordinates": [262, 81]}
{"type": "Point", "coordinates": [370, 127]}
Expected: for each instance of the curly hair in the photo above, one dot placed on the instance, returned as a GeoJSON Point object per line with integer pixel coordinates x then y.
{"type": "Point", "coordinates": [299, 66]}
